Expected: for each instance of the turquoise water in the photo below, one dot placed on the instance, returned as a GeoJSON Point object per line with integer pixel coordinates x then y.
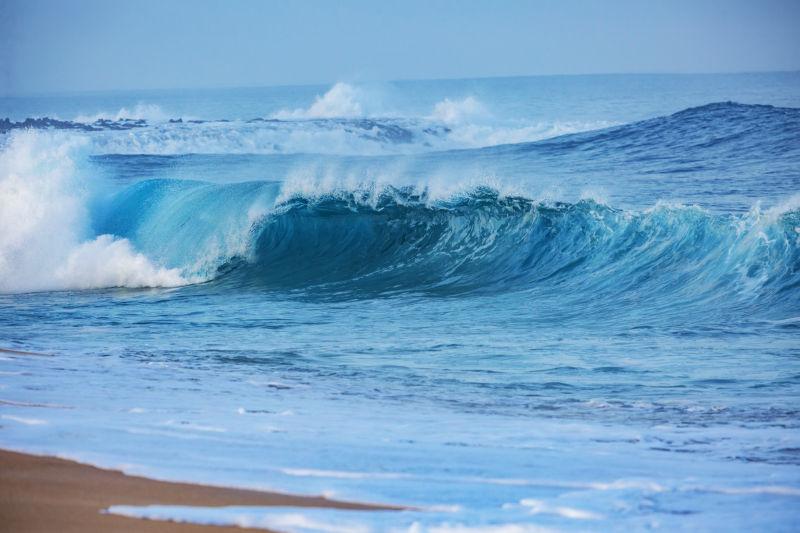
{"type": "Point", "coordinates": [559, 303]}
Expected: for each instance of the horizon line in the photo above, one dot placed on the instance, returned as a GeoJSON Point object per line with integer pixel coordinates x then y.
{"type": "Point", "coordinates": [75, 92]}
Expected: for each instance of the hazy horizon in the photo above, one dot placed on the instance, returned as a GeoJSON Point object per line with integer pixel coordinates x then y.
{"type": "Point", "coordinates": [85, 46]}
{"type": "Point", "coordinates": [331, 83]}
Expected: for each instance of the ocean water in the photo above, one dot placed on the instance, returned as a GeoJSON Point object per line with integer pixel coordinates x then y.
{"type": "Point", "coordinates": [522, 304]}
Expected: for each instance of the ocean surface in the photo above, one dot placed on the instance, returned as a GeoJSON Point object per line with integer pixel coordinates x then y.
{"type": "Point", "coordinates": [520, 304]}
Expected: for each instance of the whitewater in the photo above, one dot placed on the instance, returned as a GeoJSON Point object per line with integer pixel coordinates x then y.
{"type": "Point", "coordinates": [517, 304]}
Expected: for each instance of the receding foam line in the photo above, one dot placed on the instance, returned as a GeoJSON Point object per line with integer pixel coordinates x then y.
{"type": "Point", "coordinates": [309, 472]}
{"type": "Point", "coordinates": [542, 507]}
{"type": "Point", "coordinates": [773, 490]}
{"type": "Point", "coordinates": [14, 403]}
{"type": "Point", "coordinates": [25, 421]}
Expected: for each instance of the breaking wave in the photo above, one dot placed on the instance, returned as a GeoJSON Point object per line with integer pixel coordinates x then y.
{"type": "Point", "coordinates": [340, 121]}
{"type": "Point", "coordinates": [399, 240]}
{"type": "Point", "coordinates": [60, 232]}
{"type": "Point", "coordinates": [46, 242]}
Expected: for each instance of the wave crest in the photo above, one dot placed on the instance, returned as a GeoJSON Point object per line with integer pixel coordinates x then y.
{"type": "Point", "coordinates": [390, 239]}
{"type": "Point", "coordinates": [484, 242]}
{"type": "Point", "coordinates": [45, 239]}
{"type": "Point", "coordinates": [341, 101]}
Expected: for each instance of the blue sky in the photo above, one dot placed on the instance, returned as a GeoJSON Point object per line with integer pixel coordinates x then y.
{"type": "Point", "coordinates": [64, 45]}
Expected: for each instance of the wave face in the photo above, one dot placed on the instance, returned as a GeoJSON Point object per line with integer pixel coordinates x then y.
{"type": "Point", "coordinates": [395, 240]}
{"type": "Point", "coordinates": [481, 242]}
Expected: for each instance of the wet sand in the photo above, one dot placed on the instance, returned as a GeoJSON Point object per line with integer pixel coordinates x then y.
{"type": "Point", "coordinates": [46, 494]}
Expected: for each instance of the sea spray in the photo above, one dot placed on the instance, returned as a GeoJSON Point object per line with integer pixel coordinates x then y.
{"type": "Point", "coordinates": [46, 242]}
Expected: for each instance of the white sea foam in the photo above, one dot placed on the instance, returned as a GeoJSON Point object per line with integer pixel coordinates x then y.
{"type": "Point", "coordinates": [542, 507]}
{"type": "Point", "coordinates": [460, 528]}
{"type": "Point", "coordinates": [790, 204]}
{"type": "Point", "coordinates": [458, 111]}
{"type": "Point", "coordinates": [339, 474]}
{"type": "Point", "coordinates": [282, 521]}
{"type": "Point", "coordinates": [472, 125]}
{"type": "Point", "coordinates": [325, 137]}
{"type": "Point", "coordinates": [472, 135]}
{"type": "Point", "coordinates": [24, 420]}
{"type": "Point", "coordinates": [239, 137]}
{"type": "Point", "coordinates": [312, 520]}
{"type": "Point", "coordinates": [188, 426]}
{"type": "Point", "coordinates": [451, 124]}
{"type": "Point", "coordinates": [299, 522]}
{"type": "Point", "coordinates": [316, 182]}
{"type": "Point", "coordinates": [772, 490]}
{"type": "Point", "coordinates": [341, 101]}
{"type": "Point", "coordinates": [44, 235]}
{"type": "Point", "coordinates": [110, 262]}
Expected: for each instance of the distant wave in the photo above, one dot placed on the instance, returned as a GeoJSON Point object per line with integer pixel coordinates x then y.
{"type": "Point", "coordinates": [337, 122]}
{"type": "Point", "coordinates": [705, 132]}
{"type": "Point", "coordinates": [458, 111]}
{"type": "Point", "coordinates": [357, 136]}
{"type": "Point", "coordinates": [341, 101]}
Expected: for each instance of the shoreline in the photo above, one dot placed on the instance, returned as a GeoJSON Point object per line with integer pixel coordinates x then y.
{"type": "Point", "coordinates": [41, 494]}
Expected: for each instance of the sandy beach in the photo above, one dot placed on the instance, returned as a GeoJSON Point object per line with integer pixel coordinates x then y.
{"type": "Point", "coordinates": [46, 494]}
